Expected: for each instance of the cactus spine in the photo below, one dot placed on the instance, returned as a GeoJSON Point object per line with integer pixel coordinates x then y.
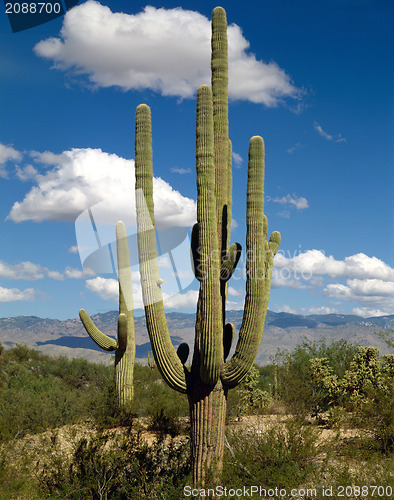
{"type": "Point", "coordinates": [124, 347]}
{"type": "Point", "coordinates": [210, 376]}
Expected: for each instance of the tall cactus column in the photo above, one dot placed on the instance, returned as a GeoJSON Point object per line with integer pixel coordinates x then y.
{"type": "Point", "coordinates": [211, 376]}
{"type": "Point", "coordinates": [124, 347]}
{"type": "Point", "coordinates": [207, 396]}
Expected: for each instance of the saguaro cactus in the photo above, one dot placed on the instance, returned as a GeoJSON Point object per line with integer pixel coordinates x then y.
{"type": "Point", "coordinates": [124, 347]}
{"type": "Point", "coordinates": [210, 376]}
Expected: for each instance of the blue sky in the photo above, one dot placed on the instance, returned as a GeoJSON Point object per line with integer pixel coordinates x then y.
{"type": "Point", "coordinates": [315, 79]}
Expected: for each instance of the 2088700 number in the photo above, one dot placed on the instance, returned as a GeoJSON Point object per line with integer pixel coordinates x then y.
{"type": "Point", "coordinates": [32, 8]}
{"type": "Point", "coordinates": [369, 491]}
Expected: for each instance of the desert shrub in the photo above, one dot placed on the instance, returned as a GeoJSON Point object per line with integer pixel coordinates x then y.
{"type": "Point", "coordinates": [16, 475]}
{"type": "Point", "coordinates": [366, 390]}
{"type": "Point", "coordinates": [295, 386]}
{"type": "Point", "coordinates": [252, 399]}
{"type": "Point", "coordinates": [254, 394]}
{"type": "Point", "coordinates": [282, 456]}
{"type": "Point", "coordinates": [117, 467]}
{"type": "Point", "coordinates": [164, 424]}
{"type": "Point", "coordinates": [39, 392]}
{"type": "Point", "coordinates": [151, 394]}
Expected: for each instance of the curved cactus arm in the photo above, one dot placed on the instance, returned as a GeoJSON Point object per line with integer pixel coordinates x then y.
{"type": "Point", "coordinates": [230, 262]}
{"type": "Point", "coordinates": [195, 253]}
{"type": "Point", "coordinates": [259, 262]}
{"type": "Point", "coordinates": [208, 340]}
{"type": "Point", "coordinates": [164, 352]}
{"type": "Point", "coordinates": [102, 340]}
{"type": "Point", "coordinates": [274, 242]}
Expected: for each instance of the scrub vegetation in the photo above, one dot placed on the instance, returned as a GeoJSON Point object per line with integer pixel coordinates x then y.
{"type": "Point", "coordinates": [63, 434]}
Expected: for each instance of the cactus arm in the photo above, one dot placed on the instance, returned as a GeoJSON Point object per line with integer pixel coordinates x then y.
{"type": "Point", "coordinates": [219, 84]}
{"type": "Point", "coordinates": [196, 252]}
{"type": "Point", "coordinates": [124, 270]}
{"type": "Point", "coordinates": [102, 340]}
{"type": "Point", "coordinates": [126, 329]}
{"type": "Point", "coordinates": [230, 262]}
{"type": "Point", "coordinates": [208, 341]}
{"type": "Point", "coordinates": [123, 332]}
{"type": "Point", "coordinates": [260, 254]}
{"type": "Point", "coordinates": [164, 353]}
{"type": "Point", "coordinates": [229, 190]}
{"type": "Point", "coordinates": [274, 242]}
{"type": "Point", "coordinates": [124, 347]}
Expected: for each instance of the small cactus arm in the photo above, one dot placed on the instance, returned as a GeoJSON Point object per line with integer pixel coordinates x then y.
{"type": "Point", "coordinates": [124, 346]}
{"type": "Point", "coordinates": [214, 261]}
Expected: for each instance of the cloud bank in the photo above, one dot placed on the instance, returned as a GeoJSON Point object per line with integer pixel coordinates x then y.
{"type": "Point", "coordinates": [77, 179]}
{"type": "Point", "coordinates": [28, 271]}
{"type": "Point", "coordinates": [16, 295]}
{"type": "Point", "coordinates": [366, 281]}
{"type": "Point", "coordinates": [166, 51]}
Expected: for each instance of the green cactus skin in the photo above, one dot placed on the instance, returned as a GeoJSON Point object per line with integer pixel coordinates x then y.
{"type": "Point", "coordinates": [124, 347]}
{"type": "Point", "coordinates": [210, 376]}
{"type": "Point", "coordinates": [166, 358]}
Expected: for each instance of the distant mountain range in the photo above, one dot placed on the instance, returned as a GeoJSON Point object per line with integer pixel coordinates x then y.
{"type": "Point", "coordinates": [283, 331]}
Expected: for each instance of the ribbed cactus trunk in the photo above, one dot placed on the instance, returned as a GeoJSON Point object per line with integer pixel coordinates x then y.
{"type": "Point", "coordinates": [124, 347]}
{"type": "Point", "coordinates": [214, 260]}
{"type": "Point", "coordinates": [208, 406]}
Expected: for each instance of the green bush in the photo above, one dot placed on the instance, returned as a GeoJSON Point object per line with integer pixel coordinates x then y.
{"type": "Point", "coordinates": [38, 392]}
{"type": "Point", "coordinates": [282, 456]}
{"type": "Point", "coordinates": [165, 424]}
{"type": "Point", "coordinates": [117, 467]}
{"type": "Point", "coordinates": [295, 386]}
{"type": "Point", "coordinates": [252, 399]}
{"type": "Point", "coordinates": [366, 389]}
{"type": "Point", "coordinates": [151, 394]}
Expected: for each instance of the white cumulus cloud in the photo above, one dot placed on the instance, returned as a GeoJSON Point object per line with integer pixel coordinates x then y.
{"type": "Point", "coordinates": [306, 310]}
{"type": "Point", "coordinates": [29, 271]}
{"type": "Point", "coordinates": [237, 159]}
{"type": "Point", "coordinates": [366, 281]}
{"type": "Point", "coordinates": [22, 271]}
{"type": "Point", "coordinates": [105, 288]}
{"type": "Point", "coordinates": [80, 178]}
{"type": "Point", "coordinates": [297, 201]}
{"type": "Point", "coordinates": [186, 300]}
{"type": "Point", "coordinates": [165, 50]}
{"type": "Point", "coordinates": [7, 153]}
{"type": "Point", "coordinates": [26, 173]}
{"type": "Point", "coordinates": [314, 262]}
{"type": "Point", "coordinates": [365, 312]}
{"type": "Point", "coordinates": [16, 295]}
{"type": "Point", "coordinates": [375, 296]}
{"type": "Point", "coordinates": [108, 289]}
